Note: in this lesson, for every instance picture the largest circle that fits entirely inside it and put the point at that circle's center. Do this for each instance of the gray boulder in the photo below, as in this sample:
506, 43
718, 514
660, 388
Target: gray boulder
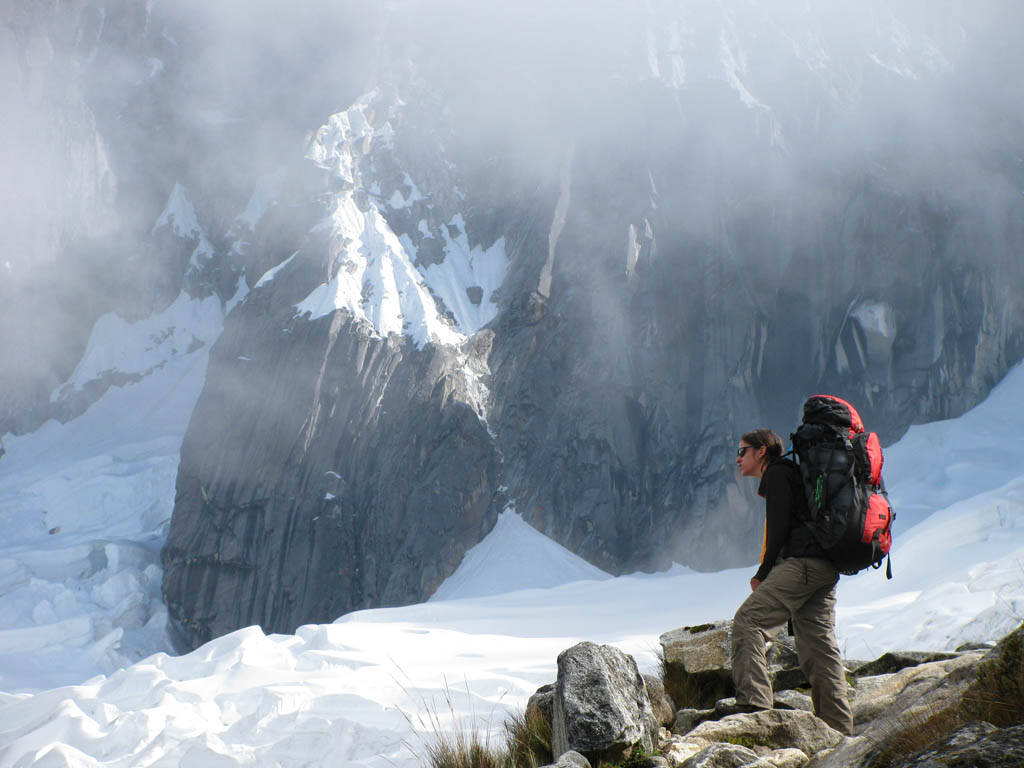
601, 707
773, 728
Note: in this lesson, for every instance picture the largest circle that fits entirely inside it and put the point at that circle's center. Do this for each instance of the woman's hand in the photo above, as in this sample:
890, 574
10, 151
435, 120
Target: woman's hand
754, 584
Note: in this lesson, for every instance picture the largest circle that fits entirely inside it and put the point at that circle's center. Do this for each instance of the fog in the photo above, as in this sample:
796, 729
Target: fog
105, 106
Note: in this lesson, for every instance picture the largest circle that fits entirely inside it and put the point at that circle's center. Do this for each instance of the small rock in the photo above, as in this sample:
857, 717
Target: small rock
652, 761
664, 709
793, 700
975, 647
722, 756
678, 751
570, 760
788, 679
688, 719
785, 758
891, 662
780, 652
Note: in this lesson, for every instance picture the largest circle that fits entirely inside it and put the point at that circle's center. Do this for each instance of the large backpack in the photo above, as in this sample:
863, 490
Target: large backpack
841, 466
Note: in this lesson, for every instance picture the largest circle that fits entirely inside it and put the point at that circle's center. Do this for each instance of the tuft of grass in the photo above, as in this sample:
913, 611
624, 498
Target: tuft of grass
907, 736
747, 741
997, 695
529, 740
460, 746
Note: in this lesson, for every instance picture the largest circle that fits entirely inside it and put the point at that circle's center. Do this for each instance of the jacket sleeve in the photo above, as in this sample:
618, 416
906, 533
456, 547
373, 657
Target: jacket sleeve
778, 496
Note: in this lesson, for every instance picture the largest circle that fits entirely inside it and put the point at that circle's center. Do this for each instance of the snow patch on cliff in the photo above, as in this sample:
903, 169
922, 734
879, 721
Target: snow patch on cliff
375, 274
179, 214
376, 280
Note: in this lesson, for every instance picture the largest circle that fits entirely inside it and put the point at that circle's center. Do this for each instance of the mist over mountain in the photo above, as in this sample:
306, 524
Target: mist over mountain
551, 256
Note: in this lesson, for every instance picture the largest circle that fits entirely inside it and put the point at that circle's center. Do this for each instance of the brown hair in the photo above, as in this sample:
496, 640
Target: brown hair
764, 437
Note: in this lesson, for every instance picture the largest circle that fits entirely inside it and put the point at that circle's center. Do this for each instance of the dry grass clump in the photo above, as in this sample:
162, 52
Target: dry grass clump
909, 734
529, 739
997, 695
526, 741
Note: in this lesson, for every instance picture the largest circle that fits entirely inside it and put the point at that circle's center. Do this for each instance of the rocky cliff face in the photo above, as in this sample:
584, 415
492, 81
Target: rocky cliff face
572, 298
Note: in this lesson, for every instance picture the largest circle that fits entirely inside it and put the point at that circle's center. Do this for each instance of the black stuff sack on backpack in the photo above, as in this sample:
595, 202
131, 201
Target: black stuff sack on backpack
841, 467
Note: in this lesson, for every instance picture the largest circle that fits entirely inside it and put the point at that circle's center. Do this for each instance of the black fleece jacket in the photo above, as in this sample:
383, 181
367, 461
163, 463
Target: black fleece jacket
785, 512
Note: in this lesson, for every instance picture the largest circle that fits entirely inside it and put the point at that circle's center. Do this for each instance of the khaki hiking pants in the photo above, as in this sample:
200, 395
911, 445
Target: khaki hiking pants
804, 589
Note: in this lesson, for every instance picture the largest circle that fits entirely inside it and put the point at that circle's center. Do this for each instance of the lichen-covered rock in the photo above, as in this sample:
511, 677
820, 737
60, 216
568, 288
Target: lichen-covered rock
771, 728
601, 708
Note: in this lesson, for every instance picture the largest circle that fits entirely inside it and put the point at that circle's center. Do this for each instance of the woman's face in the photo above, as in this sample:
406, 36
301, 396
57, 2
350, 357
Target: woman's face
750, 460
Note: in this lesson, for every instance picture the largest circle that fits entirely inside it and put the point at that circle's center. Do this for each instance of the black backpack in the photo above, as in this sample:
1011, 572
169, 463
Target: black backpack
849, 513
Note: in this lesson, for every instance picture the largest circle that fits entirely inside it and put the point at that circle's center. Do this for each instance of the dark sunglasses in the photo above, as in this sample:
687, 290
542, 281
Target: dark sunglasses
742, 450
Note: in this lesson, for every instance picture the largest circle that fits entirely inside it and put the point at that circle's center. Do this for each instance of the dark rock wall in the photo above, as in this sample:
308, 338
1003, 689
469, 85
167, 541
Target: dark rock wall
325, 469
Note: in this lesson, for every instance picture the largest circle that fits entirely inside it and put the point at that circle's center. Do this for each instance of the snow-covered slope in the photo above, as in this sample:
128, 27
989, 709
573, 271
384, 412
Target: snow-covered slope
358, 692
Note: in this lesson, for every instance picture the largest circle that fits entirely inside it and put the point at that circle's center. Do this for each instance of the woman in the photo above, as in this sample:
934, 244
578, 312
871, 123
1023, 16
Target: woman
795, 582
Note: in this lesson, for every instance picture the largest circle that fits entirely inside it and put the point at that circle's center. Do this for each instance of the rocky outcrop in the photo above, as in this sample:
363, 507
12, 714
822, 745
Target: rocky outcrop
928, 714
601, 708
